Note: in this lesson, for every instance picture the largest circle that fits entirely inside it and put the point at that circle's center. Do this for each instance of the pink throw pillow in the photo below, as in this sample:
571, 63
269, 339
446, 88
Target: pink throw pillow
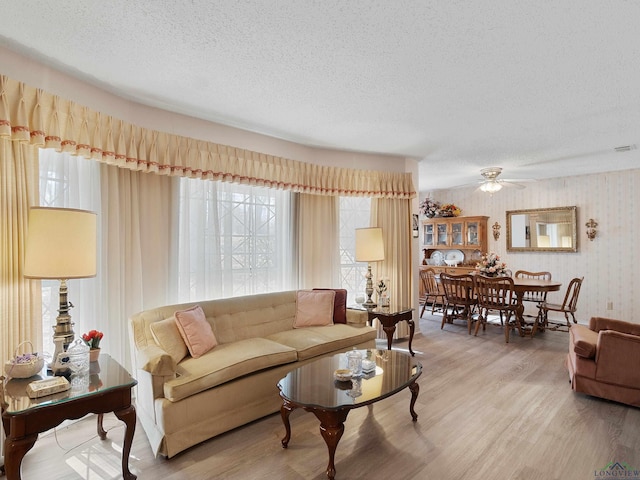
195, 331
339, 305
314, 308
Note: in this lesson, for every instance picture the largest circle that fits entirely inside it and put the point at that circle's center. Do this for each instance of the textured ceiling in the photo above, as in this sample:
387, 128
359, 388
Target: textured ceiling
542, 89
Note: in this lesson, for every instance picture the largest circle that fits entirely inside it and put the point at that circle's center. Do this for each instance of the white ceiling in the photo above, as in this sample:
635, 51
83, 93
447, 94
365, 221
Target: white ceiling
540, 88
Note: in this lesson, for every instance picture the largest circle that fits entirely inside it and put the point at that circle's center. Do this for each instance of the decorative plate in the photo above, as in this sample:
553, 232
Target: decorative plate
455, 255
438, 257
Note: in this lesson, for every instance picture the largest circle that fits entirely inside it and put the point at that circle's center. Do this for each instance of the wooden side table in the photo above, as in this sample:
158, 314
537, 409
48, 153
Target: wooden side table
107, 389
389, 317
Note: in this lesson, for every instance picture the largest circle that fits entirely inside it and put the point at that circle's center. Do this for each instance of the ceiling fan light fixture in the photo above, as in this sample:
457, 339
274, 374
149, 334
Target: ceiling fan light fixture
491, 187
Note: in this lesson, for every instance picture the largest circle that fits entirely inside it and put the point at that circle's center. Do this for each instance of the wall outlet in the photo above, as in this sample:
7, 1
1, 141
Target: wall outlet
609, 305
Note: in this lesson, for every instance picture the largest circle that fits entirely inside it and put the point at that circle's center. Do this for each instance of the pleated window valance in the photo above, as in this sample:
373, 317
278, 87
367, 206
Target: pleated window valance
32, 115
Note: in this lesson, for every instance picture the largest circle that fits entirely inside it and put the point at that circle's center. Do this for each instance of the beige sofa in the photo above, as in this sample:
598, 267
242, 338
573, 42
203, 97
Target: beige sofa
604, 359
182, 403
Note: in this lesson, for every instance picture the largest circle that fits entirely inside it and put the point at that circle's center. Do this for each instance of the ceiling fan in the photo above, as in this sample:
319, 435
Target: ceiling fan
491, 184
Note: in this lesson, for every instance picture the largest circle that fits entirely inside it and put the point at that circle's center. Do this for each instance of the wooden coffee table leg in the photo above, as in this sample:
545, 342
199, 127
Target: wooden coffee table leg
331, 429
415, 389
285, 411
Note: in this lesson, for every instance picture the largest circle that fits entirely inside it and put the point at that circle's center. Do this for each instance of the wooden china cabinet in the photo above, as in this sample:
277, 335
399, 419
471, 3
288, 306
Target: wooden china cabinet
463, 238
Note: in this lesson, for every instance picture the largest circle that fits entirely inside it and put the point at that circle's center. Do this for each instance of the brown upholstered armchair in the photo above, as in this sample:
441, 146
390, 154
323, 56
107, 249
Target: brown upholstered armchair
604, 359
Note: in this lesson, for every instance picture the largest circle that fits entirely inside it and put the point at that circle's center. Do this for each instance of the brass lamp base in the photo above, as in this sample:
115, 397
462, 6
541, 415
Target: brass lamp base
369, 290
63, 334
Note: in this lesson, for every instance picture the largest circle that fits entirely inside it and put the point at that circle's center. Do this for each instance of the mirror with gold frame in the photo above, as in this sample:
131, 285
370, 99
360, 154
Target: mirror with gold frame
542, 230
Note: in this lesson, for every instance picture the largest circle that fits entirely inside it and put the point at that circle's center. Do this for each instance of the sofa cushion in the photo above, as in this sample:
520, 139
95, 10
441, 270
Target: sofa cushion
168, 338
339, 304
314, 308
584, 341
224, 363
195, 331
313, 341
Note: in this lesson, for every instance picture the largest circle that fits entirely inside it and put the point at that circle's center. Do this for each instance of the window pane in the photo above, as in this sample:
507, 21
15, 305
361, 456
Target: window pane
234, 240
354, 213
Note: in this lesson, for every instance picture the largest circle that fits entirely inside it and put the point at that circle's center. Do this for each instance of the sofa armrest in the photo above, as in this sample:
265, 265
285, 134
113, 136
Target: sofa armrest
618, 358
600, 323
156, 361
357, 318
583, 341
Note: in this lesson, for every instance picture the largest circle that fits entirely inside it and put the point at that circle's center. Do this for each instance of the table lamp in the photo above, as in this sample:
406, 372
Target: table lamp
369, 248
61, 244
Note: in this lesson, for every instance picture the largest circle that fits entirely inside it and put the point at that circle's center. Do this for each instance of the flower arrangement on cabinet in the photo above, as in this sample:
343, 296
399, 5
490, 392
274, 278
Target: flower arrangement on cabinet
450, 210
92, 338
429, 208
491, 265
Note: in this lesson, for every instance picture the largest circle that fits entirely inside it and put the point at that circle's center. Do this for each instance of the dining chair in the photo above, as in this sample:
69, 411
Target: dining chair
432, 291
568, 307
497, 294
460, 299
533, 297
537, 297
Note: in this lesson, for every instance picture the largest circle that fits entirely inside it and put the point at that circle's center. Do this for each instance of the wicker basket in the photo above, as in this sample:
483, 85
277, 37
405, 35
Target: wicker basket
15, 369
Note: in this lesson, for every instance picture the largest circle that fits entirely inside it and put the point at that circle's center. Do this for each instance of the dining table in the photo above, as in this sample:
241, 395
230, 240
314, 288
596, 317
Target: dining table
525, 285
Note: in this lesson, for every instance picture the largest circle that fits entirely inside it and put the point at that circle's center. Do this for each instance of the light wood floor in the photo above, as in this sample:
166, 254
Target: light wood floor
487, 410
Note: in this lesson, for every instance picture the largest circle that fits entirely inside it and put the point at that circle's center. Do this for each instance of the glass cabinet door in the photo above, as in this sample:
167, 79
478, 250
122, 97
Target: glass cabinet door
472, 233
428, 237
456, 234
442, 233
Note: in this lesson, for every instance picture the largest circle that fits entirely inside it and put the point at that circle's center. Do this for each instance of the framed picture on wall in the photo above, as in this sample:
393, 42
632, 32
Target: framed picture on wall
416, 229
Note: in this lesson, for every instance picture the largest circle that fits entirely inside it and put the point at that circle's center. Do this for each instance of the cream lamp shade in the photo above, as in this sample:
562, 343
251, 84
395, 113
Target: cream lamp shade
61, 243
369, 245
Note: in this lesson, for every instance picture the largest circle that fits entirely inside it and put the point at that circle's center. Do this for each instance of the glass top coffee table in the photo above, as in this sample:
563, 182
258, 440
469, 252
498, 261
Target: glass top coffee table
313, 388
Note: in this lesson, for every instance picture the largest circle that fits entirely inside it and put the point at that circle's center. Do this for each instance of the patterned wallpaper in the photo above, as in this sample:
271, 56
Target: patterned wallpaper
608, 263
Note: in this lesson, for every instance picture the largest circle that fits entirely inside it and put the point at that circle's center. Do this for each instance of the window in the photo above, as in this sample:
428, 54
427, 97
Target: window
234, 240
354, 213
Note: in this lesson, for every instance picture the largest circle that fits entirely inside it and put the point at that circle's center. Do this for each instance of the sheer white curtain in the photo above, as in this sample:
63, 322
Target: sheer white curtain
134, 245
233, 240
71, 182
318, 241
136, 218
354, 213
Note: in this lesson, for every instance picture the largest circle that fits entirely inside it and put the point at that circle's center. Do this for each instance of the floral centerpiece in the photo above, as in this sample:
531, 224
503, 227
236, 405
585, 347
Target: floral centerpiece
491, 265
450, 210
429, 208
